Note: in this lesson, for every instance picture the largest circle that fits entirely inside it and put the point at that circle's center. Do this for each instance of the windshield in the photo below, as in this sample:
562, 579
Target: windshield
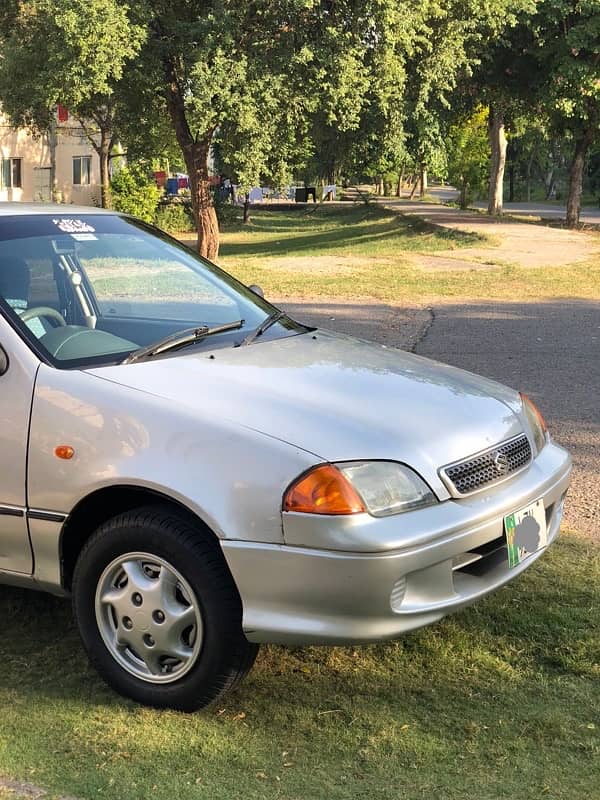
89, 289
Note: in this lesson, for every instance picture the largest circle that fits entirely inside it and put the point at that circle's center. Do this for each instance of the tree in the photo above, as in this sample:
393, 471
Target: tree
50, 57
468, 155
508, 81
214, 67
233, 72
443, 69
358, 122
548, 65
96, 119
566, 45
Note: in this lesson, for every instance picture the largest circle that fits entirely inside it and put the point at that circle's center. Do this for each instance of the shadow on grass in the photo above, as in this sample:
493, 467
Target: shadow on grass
361, 231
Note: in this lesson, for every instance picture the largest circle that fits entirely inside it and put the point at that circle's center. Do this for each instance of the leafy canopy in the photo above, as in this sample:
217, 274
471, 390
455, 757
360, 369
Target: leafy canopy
62, 51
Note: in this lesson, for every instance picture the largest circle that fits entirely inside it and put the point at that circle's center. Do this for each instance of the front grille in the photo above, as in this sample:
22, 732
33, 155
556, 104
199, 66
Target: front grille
492, 466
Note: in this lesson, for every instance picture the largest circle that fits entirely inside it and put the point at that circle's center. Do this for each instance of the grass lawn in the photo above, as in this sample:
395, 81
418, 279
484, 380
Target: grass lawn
369, 252
499, 701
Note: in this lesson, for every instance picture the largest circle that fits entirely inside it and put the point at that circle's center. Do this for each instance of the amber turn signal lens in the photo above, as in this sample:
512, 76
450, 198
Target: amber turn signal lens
535, 410
64, 451
324, 490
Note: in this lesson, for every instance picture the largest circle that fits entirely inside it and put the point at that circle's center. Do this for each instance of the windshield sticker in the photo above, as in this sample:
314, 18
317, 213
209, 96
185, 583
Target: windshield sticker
73, 226
84, 237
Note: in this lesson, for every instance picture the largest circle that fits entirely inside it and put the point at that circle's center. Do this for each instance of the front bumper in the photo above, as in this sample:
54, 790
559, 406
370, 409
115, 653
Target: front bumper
418, 574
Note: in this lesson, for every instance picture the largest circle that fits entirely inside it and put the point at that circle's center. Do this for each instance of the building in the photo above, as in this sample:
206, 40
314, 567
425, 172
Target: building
25, 166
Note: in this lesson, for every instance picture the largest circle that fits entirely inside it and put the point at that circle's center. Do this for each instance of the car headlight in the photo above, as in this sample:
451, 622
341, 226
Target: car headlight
536, 422
381, 488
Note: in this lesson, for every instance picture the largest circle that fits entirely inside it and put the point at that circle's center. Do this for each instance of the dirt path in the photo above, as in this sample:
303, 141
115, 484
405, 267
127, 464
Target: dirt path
516, 243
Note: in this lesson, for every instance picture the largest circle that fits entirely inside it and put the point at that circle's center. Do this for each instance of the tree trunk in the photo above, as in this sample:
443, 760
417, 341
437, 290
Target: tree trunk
549, 182
399, 185
52, 144
414, 188
576, 178
246, 217
104, 154
423, 180
205, 216
195, 152
498, 160
530, 162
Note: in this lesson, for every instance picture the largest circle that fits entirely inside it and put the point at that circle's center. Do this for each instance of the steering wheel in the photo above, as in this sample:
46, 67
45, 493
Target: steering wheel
43, 311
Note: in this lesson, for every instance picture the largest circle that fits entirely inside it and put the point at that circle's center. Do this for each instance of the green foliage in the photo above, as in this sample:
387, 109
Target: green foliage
468, 155
228, 214
311, 88
62, 51
547, 68
134, 193
175, 217
566, 45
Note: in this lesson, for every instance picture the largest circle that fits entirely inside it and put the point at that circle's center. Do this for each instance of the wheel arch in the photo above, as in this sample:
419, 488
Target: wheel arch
103, 504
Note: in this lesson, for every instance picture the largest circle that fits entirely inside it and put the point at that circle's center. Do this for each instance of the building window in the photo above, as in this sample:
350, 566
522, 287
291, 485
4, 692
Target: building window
82, 170
11, 173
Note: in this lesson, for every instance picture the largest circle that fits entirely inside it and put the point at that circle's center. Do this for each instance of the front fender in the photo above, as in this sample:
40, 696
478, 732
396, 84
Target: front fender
230, 476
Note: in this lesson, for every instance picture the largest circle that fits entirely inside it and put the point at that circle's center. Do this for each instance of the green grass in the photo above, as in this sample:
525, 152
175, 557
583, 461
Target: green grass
338, 230
500, 701
368, 252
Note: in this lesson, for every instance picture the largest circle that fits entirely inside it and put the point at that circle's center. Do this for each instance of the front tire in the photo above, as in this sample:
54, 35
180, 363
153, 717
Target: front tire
158, 612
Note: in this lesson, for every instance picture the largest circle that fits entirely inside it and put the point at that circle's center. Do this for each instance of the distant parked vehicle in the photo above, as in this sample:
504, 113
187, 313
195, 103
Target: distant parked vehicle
202, 473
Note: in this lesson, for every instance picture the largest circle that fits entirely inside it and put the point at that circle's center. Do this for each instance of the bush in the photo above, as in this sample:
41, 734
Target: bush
175, 217
228, 215
133, 193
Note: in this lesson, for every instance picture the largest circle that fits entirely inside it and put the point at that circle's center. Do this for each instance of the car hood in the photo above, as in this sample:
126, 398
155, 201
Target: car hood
337, 397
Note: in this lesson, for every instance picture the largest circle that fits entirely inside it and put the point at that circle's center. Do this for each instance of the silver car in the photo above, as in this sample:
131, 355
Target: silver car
202, 473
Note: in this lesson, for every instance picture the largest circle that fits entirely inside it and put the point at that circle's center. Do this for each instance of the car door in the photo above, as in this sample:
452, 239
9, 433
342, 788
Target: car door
16, 389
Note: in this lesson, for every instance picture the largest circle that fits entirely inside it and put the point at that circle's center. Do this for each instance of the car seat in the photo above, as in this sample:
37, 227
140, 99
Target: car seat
15, 282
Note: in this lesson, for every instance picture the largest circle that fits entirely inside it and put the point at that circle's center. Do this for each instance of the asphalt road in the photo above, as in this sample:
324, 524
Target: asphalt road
550, 211
550, 350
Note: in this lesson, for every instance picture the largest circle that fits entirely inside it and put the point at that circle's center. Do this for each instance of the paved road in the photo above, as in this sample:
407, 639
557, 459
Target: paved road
549, 350
543, 210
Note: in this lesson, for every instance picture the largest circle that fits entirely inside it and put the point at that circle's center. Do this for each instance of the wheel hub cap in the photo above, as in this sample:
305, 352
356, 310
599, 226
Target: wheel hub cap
148, 617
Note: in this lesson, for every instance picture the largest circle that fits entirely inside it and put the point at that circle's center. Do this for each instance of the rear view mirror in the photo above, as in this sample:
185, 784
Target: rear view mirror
64, 246
3, 361
257, 290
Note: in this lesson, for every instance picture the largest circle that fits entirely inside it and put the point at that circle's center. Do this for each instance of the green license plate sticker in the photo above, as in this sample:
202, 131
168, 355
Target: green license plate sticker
525, 532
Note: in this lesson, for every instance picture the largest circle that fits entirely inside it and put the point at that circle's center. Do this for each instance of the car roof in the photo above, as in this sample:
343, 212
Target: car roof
16, 209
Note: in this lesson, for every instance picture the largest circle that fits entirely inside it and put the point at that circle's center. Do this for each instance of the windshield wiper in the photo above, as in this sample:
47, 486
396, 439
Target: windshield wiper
180, 339
264, 325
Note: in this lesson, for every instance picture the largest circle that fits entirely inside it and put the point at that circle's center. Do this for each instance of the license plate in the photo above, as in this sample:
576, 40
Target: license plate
525, 532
